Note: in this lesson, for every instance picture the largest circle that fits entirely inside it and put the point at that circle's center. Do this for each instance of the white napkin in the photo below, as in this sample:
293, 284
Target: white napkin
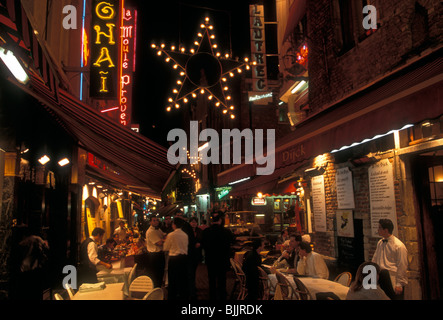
86, 287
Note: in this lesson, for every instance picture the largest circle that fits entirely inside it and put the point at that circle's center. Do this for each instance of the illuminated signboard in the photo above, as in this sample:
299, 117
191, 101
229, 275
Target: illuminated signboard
222, 192
258, 47
127, 64
104, 49
260, 98
256, 201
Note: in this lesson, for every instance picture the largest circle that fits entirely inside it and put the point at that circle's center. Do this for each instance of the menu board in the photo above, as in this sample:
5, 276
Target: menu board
382, 195
319, 203
345, 189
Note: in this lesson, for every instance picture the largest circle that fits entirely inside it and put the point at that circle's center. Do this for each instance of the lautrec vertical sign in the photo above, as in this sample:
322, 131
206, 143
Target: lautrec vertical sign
258, 47
104, 49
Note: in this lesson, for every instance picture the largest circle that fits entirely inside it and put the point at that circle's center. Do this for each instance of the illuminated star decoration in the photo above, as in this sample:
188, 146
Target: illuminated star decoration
202, 71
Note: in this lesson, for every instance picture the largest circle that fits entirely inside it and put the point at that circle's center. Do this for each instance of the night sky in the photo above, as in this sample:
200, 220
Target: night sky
171, 23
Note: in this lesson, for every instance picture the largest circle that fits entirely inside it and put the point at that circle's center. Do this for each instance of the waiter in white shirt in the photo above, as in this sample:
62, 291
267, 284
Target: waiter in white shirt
156, 257
311, 263
391, 254
176, 245
89, 260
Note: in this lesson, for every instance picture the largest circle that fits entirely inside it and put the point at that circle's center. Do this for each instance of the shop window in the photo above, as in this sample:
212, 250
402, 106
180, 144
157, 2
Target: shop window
436, 185
343, 22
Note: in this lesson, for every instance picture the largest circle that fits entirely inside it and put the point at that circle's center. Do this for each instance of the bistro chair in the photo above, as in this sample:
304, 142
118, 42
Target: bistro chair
264, 284
344, 278
57, 296
70, 291
132, 274
240, 280
287, 291
141, 285
156, 294
301, 291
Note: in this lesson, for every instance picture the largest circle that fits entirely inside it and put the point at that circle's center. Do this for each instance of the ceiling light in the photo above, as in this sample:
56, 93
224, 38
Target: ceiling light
63, 162
44, 160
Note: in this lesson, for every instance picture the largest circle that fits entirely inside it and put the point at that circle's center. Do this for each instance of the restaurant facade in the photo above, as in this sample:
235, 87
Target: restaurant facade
365, 141
67, 167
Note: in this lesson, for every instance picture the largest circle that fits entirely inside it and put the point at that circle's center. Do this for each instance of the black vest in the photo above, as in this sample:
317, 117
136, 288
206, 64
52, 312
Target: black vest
85, 263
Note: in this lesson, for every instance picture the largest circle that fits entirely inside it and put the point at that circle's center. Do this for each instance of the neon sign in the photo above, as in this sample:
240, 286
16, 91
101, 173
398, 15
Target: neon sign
258, 47
104, 50
127, 63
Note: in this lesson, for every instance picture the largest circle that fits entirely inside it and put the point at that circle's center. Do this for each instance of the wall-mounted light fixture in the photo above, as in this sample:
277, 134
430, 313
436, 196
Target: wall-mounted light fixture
14, 65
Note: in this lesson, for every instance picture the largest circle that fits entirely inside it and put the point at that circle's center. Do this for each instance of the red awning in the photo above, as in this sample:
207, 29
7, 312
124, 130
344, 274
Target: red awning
266, 184
142, 162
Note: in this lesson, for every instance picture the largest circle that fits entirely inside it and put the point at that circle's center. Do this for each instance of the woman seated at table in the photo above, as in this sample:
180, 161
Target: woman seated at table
357, 291
311, 263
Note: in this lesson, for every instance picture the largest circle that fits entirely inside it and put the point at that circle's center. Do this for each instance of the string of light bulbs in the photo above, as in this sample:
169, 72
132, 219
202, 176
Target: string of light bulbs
219, 91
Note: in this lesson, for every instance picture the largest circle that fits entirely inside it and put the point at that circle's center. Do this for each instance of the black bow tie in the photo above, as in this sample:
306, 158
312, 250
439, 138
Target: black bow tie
385, 240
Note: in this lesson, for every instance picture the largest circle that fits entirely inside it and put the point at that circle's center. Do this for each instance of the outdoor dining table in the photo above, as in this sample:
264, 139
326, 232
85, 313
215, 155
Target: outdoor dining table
113, 291
315, 285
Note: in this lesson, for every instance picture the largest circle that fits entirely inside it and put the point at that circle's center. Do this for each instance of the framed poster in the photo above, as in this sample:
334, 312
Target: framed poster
345, 223
277, 204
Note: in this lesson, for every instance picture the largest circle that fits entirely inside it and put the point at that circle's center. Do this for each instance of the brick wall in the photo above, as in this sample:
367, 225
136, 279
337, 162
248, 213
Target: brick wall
399, 38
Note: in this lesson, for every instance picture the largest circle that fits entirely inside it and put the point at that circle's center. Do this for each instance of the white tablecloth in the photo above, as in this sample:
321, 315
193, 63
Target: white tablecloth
315, 285
111, 292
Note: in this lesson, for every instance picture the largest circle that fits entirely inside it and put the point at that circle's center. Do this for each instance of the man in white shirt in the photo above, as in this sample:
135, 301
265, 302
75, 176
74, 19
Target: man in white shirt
391, 254
156, 257
89, 260
176, 245
121, 231
311, 263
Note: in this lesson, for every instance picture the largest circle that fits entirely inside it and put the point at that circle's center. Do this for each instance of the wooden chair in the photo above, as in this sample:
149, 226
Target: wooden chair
141, 285
240, 280
155, 294
132, 274
287, 291
57, 296
344, 278
301, 291
70, 291
265, 287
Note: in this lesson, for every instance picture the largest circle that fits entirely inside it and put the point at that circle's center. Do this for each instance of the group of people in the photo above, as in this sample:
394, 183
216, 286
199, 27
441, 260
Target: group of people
389, 262
178, 246
175, 249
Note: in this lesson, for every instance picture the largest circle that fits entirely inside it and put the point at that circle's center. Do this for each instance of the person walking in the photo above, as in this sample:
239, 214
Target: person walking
176, 245
391, 255
216, 243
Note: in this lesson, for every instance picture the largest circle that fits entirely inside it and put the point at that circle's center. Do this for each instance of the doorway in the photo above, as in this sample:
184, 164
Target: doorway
427, 172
